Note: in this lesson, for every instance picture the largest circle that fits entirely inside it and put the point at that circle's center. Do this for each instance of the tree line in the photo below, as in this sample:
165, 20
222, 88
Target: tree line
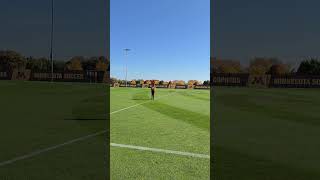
265, 65
114, 80
10, 60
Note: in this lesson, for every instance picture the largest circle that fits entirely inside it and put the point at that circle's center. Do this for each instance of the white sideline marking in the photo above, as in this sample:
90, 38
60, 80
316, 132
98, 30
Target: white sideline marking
128, 107
161, 150
35, 153
50, 148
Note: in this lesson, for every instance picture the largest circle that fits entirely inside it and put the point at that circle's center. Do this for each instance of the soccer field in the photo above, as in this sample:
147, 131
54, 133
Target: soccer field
267, 134
178, 120
41, 123
259, 133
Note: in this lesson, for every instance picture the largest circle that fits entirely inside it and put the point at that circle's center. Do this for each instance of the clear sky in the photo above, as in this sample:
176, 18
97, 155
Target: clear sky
170, 39
288, 29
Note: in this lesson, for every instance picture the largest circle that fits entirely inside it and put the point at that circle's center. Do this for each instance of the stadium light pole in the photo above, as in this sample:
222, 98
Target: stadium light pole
51, 39
126, 57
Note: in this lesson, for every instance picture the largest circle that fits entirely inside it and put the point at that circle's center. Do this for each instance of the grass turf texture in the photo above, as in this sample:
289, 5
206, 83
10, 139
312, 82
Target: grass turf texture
266, 134
38, 115
260, 133
178, 120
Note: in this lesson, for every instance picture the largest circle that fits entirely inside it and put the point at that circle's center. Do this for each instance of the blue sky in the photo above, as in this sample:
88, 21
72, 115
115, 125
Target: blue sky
170, 39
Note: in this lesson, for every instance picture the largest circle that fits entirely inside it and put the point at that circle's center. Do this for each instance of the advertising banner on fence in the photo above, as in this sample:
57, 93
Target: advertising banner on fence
157, 86
224, 79
181, 86
161, 86
218, 79
22, 74
128, 85
69, 76
295, 81
259, 80
201, 87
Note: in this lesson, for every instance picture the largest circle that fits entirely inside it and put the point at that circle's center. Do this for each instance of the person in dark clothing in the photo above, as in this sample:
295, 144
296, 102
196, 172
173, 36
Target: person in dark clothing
168, 86
153, 89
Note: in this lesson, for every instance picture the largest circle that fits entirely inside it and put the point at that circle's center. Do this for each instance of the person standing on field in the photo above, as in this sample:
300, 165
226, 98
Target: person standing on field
153, 89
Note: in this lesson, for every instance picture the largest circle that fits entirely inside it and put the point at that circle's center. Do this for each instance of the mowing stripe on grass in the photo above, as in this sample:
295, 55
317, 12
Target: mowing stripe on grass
137, 104
35, 153
161, 150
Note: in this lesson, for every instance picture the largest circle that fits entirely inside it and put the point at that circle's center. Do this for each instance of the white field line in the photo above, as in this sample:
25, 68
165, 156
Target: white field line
35, 153
50, 148
138, 104
128, 107
161, 150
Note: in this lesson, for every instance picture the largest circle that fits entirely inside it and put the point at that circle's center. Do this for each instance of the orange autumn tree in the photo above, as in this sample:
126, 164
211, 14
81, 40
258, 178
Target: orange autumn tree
225, 66
261, 65
102, 64
75, 64
180, 83
133, 82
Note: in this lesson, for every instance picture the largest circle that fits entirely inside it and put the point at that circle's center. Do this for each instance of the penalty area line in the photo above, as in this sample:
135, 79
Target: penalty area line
141, 148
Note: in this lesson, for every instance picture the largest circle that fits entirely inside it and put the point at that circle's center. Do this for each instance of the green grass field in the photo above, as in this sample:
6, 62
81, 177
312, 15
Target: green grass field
267, 134
178, 120
38, 115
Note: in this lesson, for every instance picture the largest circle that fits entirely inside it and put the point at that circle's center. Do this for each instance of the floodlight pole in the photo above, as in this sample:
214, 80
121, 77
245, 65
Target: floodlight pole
126, 57
51, 43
